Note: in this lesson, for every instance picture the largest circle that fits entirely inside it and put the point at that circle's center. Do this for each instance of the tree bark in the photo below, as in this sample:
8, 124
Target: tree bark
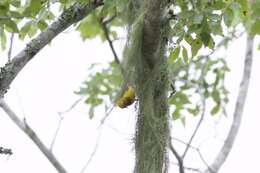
152, 129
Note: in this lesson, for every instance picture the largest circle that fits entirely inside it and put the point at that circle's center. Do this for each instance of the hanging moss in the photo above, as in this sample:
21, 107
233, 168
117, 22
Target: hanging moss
151, 86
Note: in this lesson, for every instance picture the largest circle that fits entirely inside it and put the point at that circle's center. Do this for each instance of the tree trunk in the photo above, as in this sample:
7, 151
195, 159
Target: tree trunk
151, 84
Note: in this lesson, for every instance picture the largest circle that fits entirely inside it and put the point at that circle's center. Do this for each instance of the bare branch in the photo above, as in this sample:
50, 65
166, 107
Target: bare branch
204, 161
61, 119
70, 16
178, 157
56, 133
237, 116
73, 105
197, 149
110, 42
189, 168
32, 135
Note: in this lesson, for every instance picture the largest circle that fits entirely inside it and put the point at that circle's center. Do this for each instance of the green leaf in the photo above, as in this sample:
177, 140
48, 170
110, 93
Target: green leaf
205, 37
16, 3
197, 18
25, 29
2, 38
216, 28
11, 26
215, 109
228, 17
3, 10
176, 114
179, 98
42, 25
189, 39
213, 17
185, 55
256, 27
195, 47
218, 5
89, 27
174, 55
33, 8
216, 96
183, 121
14, 14
194, 111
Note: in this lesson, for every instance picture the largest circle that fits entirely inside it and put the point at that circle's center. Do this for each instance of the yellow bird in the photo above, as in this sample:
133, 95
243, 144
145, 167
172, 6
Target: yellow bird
127, 98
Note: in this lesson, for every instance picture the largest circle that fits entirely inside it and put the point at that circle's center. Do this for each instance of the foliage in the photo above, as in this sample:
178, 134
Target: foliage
194, 26
101, 87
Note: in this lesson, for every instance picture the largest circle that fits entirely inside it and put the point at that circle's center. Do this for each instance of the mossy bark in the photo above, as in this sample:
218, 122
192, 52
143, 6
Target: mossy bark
148, 73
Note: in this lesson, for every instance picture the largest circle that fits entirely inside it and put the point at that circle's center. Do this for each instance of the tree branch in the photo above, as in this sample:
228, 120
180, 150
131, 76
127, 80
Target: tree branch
61, 116
10, 48
196, 129
178, 157
71, 15
33, 136
237, 116
106, 32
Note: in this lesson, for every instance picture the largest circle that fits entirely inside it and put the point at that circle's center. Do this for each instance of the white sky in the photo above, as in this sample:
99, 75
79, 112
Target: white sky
45, 86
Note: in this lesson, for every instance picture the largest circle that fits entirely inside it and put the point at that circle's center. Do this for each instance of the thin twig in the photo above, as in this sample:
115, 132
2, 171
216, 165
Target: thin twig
196, 129
100, 127
184, 143
197, 149
204, 161
32, 135
106, 116
56, 133
93, 152
106, 32
188, 168
61, 117
73, 105
10, 48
